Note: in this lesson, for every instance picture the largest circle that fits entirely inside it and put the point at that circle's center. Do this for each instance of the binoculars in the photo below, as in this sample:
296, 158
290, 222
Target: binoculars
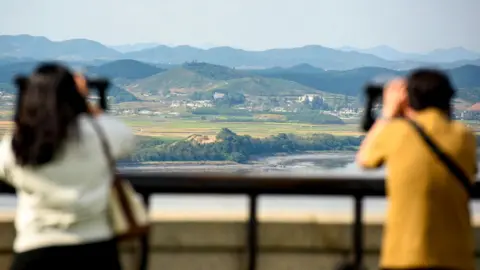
373, 94
101, 85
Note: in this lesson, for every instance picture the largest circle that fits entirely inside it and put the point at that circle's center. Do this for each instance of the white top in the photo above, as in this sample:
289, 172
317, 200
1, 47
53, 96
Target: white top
64, 202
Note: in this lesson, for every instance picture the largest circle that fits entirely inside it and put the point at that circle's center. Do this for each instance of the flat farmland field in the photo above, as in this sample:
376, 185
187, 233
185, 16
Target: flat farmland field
174, 129
181, 128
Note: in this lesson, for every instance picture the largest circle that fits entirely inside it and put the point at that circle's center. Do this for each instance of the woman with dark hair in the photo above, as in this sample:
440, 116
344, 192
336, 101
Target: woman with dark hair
54, 159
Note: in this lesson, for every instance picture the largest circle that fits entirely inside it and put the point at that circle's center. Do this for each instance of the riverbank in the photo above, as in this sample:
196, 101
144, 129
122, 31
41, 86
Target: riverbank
179, 163
311, 162
259, 159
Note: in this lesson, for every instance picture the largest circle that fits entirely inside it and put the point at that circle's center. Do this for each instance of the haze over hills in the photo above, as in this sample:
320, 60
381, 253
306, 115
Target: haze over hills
351, 82
134, 47
26, 46
293, 81
126, 69
136, 77
436, 56
77, 50
315, 55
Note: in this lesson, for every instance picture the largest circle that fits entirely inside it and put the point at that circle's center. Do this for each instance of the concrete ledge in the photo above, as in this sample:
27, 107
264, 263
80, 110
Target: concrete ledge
209, 244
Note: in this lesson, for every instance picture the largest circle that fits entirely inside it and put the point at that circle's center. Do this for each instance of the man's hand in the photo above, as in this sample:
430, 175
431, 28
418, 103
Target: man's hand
395, 98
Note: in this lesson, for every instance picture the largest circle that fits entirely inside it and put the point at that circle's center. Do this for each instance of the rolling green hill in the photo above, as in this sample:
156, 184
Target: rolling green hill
351, 82
261, 86
294, 81
176, 80
125, 69
215, 72
194, 77
348, 82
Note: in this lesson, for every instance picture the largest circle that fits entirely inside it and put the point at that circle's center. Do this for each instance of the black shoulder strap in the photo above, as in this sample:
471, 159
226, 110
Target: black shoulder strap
451, 165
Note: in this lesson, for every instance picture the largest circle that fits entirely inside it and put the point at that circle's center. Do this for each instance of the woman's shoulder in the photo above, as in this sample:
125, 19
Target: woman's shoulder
119, 135
6, 154
6, 142
104, 120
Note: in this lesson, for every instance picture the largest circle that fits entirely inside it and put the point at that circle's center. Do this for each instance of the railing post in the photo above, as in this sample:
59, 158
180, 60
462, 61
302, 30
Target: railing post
144, 241
358, 232
252, 232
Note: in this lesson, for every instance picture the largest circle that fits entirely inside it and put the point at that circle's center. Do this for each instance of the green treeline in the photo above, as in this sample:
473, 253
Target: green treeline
232, 147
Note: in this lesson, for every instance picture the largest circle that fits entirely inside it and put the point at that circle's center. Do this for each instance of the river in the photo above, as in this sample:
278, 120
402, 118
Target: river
315, 163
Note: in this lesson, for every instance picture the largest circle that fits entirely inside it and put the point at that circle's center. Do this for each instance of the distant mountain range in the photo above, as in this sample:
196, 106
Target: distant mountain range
134, 47
25, 47
436, 56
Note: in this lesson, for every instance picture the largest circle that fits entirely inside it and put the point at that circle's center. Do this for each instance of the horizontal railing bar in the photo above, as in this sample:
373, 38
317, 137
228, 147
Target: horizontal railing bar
272, 184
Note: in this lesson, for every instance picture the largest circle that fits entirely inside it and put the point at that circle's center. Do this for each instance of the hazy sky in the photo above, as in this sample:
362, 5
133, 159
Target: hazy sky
409, 25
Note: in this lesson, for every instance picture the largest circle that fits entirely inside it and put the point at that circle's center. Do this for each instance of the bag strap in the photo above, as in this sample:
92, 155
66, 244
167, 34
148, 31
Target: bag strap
105, 147
447, 161
117, 182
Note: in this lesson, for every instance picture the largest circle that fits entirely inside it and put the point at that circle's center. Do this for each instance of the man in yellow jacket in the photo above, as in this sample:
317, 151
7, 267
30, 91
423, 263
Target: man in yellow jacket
428, 224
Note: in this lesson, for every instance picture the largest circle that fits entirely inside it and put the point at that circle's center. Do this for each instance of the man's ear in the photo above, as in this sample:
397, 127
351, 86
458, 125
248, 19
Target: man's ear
405, 100
404, 97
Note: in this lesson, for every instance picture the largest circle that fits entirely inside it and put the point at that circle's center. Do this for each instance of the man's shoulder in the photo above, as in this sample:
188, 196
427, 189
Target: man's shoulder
397, 126
462, 129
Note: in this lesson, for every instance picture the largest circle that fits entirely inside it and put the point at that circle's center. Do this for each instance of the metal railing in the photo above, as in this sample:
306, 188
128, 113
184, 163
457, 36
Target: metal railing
358, 187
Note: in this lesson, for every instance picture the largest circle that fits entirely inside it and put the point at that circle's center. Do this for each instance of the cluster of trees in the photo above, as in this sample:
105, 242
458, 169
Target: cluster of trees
232, 147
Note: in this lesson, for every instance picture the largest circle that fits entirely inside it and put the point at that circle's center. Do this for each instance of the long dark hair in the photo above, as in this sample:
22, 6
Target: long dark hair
48, 105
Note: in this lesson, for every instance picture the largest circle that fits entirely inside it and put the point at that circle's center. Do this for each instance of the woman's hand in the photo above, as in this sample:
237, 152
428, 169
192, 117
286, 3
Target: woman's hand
81, 83
394, 98
82, 88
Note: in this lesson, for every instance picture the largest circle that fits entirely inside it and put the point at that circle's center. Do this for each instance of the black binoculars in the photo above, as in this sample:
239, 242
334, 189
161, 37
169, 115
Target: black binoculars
373, 94
101, 85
